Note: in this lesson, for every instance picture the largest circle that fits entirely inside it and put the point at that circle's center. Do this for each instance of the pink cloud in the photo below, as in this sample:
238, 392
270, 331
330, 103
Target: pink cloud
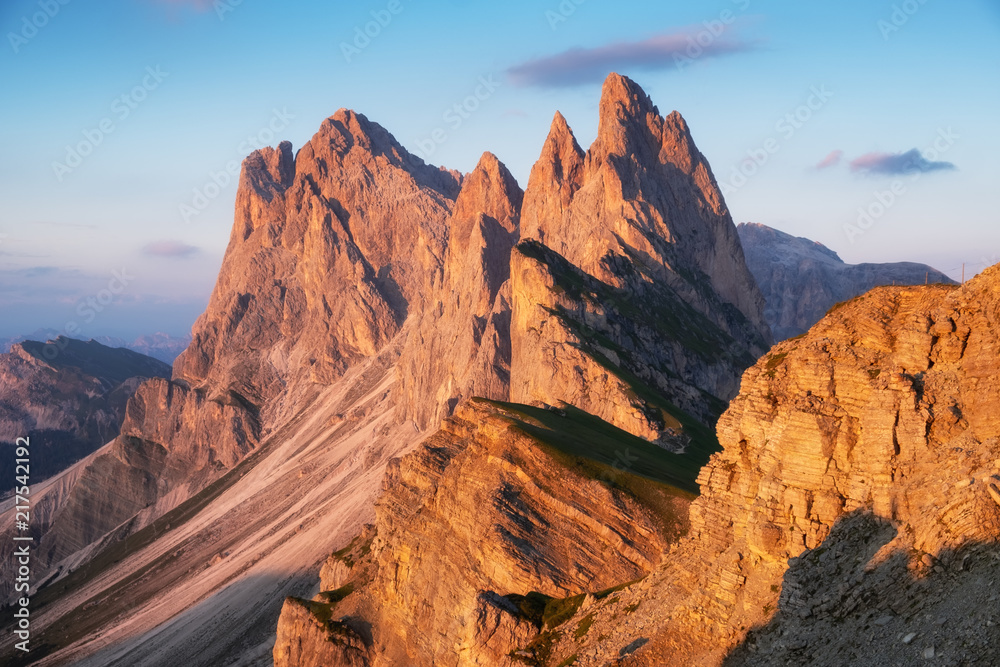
831, 159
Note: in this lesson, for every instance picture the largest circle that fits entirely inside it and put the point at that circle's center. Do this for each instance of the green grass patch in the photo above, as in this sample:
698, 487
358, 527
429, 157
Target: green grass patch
591, 445
338, 594
583, 627
773, 361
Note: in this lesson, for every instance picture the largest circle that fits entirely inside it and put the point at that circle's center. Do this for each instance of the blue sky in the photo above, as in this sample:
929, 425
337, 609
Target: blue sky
188, 87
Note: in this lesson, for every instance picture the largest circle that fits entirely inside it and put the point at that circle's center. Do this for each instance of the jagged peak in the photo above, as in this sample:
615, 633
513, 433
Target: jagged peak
623, 102
490, 189
348, 132
561, 144
347, 128
276, 164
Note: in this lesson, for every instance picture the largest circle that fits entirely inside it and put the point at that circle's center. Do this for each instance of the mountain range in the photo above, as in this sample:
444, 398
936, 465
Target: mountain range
157, 345
430, 418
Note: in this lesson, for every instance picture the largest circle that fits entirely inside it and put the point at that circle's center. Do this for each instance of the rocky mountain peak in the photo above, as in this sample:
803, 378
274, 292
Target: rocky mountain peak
756, 234
623, 104
644, 197
554, 180
490, 190
266, 174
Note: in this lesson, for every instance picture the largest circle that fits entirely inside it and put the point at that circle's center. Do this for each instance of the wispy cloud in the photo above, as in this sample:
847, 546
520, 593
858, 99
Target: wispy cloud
591, 65
894, 164
169, 249
830, 160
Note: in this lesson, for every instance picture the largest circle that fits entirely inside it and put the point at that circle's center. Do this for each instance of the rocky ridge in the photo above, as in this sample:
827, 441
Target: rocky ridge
478, 531
854, 510
852, 516
363, 296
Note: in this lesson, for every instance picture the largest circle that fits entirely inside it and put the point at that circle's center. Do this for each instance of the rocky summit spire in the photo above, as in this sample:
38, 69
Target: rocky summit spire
644, 192
461, 347
554, 180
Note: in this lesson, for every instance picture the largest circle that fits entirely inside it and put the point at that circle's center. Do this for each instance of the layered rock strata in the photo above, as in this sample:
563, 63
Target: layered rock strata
857, 489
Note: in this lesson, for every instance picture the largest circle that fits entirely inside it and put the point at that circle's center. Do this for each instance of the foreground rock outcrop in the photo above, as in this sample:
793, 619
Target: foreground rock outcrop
502, 511
852, 517
856, 501
802, 279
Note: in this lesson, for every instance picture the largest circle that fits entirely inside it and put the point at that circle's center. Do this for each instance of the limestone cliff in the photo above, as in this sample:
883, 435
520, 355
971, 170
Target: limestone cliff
628, 294
505, 509
634, 281
856, 501
802, 279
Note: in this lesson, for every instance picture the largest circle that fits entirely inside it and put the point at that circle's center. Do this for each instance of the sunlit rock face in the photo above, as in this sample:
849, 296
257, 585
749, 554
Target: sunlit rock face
856, 499
615, 282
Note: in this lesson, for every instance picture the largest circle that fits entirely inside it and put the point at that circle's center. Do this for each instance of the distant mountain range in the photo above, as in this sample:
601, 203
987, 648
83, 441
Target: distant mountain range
68, 396
158, 345
802, 279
